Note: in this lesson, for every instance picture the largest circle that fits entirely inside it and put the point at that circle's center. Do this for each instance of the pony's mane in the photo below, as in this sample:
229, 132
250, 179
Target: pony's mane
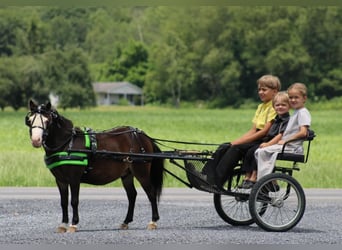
61, 120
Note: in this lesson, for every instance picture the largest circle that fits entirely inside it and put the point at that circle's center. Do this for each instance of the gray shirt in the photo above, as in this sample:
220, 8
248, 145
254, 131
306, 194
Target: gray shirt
300, 117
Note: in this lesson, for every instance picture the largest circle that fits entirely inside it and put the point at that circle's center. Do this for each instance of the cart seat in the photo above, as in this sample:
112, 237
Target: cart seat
297, 157
291, 157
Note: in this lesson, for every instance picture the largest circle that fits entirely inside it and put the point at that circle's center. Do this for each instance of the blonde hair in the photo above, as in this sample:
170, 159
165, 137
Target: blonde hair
281, 97
300, 87
269, 81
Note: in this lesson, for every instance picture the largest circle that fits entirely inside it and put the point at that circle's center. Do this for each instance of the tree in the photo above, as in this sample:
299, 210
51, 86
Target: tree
330, 85
213, 54
9, 25
68, 77
10, 89
129, 65
35, 37
322, 38
109, 29
67, 26
172, 70
32, 80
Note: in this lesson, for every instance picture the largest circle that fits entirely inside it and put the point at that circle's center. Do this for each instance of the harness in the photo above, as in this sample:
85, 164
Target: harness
84, 158
73, 158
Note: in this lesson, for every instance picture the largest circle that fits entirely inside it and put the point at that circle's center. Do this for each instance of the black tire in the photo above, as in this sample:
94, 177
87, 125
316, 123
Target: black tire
283, 201
234, 209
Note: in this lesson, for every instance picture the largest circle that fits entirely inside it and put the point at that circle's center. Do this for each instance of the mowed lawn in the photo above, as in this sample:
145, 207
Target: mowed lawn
23, 165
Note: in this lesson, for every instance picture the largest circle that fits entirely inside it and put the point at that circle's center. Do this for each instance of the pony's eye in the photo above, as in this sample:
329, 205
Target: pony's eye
28, 120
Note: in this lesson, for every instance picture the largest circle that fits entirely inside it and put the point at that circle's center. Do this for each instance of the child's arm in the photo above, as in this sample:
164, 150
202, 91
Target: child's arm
303, 130
253, 134
274, 140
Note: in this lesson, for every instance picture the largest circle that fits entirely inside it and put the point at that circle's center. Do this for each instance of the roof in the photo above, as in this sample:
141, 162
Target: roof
117, 88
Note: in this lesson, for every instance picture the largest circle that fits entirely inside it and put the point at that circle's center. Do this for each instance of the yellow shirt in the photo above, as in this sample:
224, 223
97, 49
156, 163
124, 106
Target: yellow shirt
264, 114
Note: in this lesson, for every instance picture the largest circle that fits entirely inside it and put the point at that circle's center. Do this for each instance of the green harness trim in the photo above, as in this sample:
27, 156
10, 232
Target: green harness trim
69, 158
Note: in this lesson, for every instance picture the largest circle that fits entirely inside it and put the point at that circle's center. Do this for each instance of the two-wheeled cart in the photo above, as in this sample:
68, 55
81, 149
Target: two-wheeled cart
275, 203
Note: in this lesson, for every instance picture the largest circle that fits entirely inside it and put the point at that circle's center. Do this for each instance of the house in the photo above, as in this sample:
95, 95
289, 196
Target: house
111, 93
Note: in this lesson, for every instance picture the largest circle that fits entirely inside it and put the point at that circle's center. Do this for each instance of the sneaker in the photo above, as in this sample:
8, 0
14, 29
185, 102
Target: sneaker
246, 184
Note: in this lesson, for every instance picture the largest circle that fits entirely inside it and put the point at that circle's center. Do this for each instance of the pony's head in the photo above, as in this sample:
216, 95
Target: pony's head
38, 120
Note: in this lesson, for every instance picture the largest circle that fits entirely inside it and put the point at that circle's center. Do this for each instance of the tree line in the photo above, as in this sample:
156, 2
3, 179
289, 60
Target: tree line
207, 54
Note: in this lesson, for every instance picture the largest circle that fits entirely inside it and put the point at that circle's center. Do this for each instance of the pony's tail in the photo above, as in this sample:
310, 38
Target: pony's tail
157, 172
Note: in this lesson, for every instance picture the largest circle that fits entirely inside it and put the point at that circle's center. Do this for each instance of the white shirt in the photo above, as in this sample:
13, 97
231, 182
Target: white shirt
300, 117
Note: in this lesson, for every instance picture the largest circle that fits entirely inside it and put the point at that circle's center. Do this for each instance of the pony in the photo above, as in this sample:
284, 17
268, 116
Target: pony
76, 155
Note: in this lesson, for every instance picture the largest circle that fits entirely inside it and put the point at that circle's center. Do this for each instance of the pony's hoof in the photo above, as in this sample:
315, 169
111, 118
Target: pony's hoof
72, 229
152, 225
61, 228
124, 226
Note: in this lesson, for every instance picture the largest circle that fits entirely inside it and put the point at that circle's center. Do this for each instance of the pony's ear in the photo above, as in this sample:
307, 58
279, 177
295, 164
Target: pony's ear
32, 105
48, 106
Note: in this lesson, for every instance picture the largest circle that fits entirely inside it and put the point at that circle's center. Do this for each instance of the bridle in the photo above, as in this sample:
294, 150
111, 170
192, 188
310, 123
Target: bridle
52, 117
39, 113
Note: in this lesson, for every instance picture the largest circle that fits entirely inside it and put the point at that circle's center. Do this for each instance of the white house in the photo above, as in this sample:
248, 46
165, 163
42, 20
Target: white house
110, 93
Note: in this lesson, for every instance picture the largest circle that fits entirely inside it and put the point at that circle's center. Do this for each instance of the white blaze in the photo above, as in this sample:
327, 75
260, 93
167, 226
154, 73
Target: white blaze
38, 126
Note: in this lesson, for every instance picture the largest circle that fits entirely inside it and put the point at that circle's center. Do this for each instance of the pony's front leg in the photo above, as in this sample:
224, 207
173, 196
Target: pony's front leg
75, 191
64, 195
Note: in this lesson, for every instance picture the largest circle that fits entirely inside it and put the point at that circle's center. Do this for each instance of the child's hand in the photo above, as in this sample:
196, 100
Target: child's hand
281, 142
262, 145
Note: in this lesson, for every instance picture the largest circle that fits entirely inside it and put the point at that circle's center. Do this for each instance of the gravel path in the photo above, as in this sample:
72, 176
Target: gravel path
188, 216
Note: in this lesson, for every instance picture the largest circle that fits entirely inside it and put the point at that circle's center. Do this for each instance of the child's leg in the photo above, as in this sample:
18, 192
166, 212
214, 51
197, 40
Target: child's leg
249, 163
266, 158
253, 176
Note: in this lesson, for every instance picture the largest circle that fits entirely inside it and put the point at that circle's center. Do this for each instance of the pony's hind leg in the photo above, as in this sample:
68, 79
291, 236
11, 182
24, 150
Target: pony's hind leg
131, 192
152, 197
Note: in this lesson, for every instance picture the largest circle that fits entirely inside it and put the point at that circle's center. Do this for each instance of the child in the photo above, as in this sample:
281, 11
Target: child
219, 169
297, 128
281, 104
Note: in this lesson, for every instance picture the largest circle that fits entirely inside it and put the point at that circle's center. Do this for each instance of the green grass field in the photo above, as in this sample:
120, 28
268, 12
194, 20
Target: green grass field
23, 165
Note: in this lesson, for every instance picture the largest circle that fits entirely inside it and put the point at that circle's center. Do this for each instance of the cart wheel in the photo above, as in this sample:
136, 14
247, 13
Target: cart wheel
234, 209
283, 202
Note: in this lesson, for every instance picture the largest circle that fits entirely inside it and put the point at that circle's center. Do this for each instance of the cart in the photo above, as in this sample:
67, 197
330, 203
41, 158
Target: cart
275, 203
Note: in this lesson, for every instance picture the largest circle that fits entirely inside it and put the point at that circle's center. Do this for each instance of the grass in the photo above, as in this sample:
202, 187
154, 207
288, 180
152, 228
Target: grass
23, 165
